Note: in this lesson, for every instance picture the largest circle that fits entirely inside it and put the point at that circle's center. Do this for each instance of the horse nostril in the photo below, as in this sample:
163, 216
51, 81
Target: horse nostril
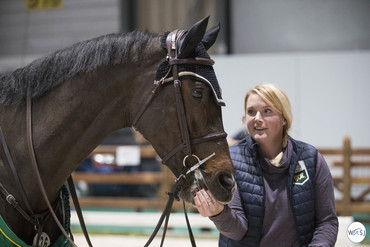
226, 180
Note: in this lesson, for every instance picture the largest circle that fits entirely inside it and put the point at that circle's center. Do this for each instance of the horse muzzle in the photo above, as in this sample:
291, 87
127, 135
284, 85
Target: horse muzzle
222, 185
225, 182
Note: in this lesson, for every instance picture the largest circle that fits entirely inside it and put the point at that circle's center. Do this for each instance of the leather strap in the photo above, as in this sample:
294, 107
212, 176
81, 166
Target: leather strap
76, 203
195, 60
191, 236
12, 201
15, 174
36, 170
181, 115
171, 42
167, 211
148, 101
209, 137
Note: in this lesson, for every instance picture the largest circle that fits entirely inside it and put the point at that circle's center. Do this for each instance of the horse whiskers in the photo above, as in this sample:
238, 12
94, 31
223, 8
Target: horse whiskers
199, 182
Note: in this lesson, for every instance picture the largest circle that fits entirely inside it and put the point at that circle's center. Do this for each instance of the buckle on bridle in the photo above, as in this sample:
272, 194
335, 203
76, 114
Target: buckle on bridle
11, 199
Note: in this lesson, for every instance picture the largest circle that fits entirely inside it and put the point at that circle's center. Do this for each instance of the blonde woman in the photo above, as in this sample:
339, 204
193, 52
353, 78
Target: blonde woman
285, 194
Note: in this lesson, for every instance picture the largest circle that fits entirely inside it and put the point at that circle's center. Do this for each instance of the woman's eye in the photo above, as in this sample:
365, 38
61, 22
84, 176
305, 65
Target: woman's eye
267, 111
251, 112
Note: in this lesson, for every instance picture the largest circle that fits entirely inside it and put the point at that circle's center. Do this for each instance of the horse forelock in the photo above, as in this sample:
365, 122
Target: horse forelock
50, 71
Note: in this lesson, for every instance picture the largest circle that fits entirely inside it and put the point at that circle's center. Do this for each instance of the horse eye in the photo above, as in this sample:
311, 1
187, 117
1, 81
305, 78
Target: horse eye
197, 93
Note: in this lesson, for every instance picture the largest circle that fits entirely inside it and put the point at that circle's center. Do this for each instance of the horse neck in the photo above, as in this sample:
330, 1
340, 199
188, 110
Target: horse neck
71, 120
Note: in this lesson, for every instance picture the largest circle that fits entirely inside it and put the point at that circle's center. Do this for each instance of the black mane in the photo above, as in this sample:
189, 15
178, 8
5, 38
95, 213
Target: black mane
48, 72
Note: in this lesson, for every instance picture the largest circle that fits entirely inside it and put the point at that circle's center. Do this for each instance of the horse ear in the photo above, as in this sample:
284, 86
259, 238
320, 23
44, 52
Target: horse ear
211, 36
192, 38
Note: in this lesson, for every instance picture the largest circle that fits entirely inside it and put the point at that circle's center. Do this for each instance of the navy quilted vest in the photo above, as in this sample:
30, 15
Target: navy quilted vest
251, 188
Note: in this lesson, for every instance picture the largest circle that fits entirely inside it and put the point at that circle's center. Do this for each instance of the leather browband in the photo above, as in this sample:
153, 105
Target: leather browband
196, 60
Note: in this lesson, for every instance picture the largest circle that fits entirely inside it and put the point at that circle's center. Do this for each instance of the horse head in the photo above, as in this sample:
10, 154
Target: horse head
189, 131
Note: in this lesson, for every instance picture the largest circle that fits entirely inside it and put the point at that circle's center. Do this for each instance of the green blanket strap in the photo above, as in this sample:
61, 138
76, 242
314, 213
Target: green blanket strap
9, 239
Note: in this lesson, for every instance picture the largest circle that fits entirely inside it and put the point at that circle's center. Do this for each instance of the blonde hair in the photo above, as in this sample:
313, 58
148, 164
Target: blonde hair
278, 100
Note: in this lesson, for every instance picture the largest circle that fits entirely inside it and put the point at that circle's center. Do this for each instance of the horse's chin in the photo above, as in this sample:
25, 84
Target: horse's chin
200, 179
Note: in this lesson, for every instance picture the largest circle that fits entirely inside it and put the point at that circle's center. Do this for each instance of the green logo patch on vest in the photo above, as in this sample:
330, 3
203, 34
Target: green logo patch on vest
301, 175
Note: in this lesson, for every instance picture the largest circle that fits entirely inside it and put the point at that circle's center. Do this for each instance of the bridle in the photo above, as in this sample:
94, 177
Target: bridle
173, 61
172, 42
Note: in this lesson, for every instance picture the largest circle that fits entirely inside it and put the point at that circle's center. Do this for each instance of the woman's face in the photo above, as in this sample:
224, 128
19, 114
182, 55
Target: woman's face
264, 124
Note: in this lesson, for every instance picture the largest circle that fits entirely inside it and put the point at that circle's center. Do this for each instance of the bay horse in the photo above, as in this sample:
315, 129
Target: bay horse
82, 93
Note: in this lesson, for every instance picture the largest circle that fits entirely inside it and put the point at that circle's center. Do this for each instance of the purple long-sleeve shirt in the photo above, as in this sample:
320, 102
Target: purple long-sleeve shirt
279, 227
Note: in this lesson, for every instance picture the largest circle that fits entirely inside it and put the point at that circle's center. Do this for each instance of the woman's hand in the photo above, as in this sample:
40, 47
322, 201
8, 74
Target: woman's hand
206, 204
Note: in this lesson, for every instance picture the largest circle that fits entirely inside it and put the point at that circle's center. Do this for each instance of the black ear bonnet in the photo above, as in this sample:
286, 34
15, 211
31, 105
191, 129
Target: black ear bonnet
203, 73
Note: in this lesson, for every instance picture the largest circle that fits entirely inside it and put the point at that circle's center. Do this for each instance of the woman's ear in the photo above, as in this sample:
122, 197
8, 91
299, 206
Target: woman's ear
284, 122
245, 127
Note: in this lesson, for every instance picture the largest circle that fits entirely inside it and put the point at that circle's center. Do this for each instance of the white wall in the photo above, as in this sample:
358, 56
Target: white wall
329, 92
296, 25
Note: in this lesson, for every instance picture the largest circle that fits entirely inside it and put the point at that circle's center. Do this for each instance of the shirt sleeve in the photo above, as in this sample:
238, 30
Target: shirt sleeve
232, 221
326, 225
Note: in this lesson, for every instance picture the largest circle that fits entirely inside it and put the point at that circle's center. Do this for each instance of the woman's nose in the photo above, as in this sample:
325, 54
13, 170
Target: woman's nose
258, 116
